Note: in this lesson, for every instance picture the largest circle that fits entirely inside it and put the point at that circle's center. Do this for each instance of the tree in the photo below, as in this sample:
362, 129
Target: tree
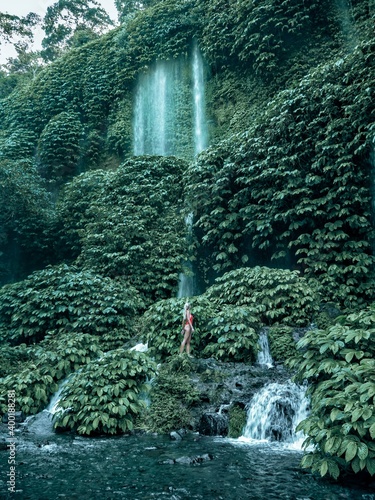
12, 26
67, 20
127, 8
27, 64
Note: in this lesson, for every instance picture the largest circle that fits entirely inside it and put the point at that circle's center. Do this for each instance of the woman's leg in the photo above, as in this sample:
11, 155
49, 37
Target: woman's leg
188, 343
187, 337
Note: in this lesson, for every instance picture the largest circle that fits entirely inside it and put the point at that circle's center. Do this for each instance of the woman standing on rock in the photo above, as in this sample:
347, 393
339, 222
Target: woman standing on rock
187, 329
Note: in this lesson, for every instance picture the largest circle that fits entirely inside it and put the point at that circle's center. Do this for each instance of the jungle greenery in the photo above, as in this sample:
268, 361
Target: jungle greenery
92, 240
340, 366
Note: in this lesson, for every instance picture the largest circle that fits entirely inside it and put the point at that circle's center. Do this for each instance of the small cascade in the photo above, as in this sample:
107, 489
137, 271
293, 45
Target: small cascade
52, 406
140, 348
200, 124
186, 279
346, 19
264, 354
275, 411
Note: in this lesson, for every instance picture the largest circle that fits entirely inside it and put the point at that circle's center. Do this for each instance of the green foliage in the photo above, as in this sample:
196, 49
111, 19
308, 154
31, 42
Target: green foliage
12, 358
172, 396
66, 20
25, 211
340, 367
33, 384
34, 372
260, 34
13, 26
106, 395
65, 299
59, 147
164, 30
305, 202
162, 323
232, 334
130, 224
271, 295
237, 421
65, 352
282, 344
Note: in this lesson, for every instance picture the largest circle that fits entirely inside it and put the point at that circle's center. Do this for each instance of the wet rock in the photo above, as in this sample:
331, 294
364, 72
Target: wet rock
213, 424
3, 444
175, 436
189, 460
194, 460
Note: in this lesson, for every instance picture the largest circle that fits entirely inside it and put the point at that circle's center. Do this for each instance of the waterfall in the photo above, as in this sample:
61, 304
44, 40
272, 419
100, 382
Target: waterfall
200, 125
275, 411
264, 354
55, 399
186, 279
345, 15
169, 108
152, 102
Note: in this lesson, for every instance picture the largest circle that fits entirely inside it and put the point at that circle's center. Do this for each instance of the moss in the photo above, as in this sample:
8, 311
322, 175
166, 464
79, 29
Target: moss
237, 421
172, 396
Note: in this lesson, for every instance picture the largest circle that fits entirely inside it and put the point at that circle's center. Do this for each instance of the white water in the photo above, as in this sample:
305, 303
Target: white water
186, 279
264, 355
346, 19
140, 348
274, 413
200, 125
55, 399
153, 108
169, 108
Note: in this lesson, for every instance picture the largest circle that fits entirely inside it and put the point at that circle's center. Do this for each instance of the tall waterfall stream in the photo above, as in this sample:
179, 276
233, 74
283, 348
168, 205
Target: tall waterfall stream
169, 108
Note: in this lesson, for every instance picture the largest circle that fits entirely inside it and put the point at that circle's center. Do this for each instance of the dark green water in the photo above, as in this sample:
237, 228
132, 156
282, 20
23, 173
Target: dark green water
64, 466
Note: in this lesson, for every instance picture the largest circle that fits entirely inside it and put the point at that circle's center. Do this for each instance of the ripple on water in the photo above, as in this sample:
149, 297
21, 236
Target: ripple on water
143, 467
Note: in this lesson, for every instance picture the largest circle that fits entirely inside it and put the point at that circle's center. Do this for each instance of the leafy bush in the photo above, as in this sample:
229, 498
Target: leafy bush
33, 386
282, 344
45, 364
63, 298
131, 225
65, 352
272, 295
12, 358
59, 147
232, 334
237, 421
339, 364
106, 395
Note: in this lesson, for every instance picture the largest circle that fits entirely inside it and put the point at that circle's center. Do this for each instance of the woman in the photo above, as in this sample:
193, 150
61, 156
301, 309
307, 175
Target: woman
187, 329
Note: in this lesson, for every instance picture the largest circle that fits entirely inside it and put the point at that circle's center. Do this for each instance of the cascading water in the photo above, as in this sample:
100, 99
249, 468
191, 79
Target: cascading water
200, 124
275, 411
153, 100
169, 109
346, 19
264, 355
53, 404
186, 282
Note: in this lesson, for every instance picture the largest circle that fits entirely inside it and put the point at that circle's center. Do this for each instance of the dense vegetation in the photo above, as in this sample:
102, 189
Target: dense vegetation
92, 239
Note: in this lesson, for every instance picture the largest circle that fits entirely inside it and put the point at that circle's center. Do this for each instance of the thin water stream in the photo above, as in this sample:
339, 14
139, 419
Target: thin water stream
143, 467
